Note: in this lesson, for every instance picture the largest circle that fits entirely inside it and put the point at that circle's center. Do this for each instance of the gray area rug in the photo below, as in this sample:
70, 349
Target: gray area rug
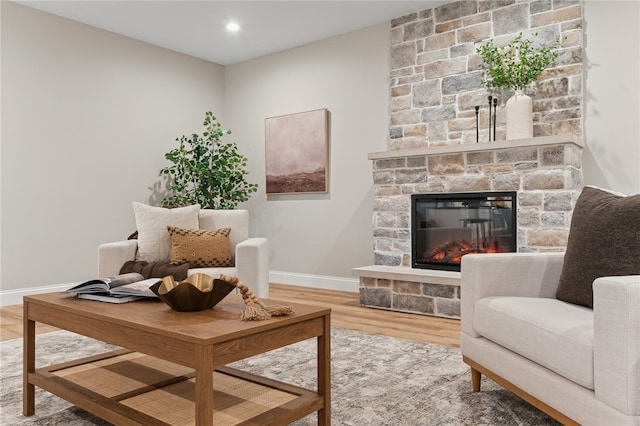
376, 380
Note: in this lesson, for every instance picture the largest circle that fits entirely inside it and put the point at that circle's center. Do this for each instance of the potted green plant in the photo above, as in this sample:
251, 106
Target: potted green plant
207, 171
515, 65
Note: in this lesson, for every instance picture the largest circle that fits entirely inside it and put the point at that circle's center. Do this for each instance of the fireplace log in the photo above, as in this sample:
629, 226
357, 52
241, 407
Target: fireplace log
441, 250
451, 251
455, 257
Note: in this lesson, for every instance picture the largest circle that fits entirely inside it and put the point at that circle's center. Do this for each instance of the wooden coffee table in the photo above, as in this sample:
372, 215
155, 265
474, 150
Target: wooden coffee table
171, 370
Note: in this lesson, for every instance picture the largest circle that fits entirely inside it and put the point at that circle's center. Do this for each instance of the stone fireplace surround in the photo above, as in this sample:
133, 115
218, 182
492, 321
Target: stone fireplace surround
545, 171
435, 84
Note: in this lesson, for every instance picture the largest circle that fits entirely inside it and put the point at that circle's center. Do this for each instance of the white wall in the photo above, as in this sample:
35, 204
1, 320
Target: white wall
329, 235
322, 234
612, 76
87, 116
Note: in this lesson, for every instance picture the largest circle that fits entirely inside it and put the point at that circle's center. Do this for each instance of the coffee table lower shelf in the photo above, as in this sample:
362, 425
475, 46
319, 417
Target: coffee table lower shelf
131, 388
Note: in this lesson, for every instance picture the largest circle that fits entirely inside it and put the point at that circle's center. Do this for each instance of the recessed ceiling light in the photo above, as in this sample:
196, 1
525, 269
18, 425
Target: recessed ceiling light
232, 26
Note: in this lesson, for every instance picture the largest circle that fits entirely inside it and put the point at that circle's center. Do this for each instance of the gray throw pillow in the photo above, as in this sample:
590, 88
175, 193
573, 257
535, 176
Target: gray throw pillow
604, 240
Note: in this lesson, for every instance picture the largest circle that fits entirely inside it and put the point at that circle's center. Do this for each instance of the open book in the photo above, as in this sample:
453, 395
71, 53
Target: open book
110, 298
131, 284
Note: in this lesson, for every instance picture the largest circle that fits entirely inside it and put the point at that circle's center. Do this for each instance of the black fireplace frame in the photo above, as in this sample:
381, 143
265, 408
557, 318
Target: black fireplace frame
448, 196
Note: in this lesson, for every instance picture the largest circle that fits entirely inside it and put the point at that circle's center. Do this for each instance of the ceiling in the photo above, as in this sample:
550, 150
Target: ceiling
197, 28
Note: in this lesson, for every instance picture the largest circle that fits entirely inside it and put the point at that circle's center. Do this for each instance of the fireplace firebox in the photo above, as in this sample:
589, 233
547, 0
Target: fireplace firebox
446, 226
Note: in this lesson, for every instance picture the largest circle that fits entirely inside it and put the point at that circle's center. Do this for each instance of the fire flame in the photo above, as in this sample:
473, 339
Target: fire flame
452, 252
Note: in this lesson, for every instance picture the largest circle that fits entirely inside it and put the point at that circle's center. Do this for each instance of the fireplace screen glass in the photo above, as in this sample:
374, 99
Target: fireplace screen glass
445, 227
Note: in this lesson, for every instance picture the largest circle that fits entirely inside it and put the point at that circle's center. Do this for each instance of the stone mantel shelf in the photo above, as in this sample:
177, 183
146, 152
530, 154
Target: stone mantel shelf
477, 147
404, 273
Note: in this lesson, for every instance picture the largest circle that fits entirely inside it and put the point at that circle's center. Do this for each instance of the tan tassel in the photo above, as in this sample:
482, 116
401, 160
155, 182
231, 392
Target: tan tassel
252, 312
278, 311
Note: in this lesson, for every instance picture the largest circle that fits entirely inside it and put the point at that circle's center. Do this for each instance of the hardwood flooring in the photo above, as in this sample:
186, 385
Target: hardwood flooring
346, 312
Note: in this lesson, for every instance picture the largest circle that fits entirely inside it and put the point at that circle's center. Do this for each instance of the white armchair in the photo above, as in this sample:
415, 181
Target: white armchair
577, 364
250, 256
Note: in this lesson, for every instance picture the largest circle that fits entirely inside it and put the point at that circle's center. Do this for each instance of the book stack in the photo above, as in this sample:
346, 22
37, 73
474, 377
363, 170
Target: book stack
118, 289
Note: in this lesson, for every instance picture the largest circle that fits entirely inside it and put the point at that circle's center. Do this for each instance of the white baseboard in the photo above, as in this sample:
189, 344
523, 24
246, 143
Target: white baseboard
14, 297
315, 281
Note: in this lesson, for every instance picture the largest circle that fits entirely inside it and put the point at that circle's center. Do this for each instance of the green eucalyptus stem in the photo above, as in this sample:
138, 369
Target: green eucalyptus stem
516, 64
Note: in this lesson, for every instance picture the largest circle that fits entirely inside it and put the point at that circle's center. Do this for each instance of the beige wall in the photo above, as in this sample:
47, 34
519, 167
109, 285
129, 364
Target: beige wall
321, 234
612, 95
328, 235
87, 116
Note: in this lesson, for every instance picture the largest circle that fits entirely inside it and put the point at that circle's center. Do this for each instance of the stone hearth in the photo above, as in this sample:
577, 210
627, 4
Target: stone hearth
402, 289
545, 172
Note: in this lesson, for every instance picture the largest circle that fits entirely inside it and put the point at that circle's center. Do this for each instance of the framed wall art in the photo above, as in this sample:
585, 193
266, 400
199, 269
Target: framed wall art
297, 152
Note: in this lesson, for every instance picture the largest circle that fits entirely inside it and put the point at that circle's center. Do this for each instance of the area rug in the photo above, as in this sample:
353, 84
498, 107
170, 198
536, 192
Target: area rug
376, 380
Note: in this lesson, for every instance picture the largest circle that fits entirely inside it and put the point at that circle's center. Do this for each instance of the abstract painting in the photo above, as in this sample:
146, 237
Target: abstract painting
296, 152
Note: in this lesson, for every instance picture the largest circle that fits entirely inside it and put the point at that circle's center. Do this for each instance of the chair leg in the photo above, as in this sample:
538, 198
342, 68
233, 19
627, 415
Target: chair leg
475, 379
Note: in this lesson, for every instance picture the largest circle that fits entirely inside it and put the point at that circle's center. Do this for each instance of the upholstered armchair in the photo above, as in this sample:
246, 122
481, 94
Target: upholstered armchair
249, 257
562, 330
576, 364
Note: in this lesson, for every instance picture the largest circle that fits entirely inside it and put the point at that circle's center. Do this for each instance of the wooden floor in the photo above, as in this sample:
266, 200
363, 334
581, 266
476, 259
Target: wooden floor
346, 312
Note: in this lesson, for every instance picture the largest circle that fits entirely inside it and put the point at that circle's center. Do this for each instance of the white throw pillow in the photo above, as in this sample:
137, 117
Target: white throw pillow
154, 243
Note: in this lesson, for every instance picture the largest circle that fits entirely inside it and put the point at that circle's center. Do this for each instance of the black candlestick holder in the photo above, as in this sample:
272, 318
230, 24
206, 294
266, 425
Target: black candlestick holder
495, 108
477, 123
490, 99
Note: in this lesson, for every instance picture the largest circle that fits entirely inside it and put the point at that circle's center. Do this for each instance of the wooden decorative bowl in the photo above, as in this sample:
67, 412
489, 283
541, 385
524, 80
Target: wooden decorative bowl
197, 293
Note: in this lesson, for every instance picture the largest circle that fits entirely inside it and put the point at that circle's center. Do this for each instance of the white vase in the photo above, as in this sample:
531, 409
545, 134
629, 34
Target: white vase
519, 116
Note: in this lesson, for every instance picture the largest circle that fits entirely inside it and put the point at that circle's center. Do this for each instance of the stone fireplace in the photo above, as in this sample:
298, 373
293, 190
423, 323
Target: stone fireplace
544, 172
433, 146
